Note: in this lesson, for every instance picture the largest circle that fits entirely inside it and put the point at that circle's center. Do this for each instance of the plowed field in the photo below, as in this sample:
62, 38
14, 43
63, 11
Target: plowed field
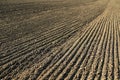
60, 40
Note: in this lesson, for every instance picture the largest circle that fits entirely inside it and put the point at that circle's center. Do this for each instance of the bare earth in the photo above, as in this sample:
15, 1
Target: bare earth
60, 40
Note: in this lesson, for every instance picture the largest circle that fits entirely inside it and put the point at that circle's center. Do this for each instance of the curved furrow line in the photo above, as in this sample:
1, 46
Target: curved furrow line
70, 13
19, 61
23, 62
85, 38
34, 67
106, 60
116, 53
31, 37
40, 41
12, 52
65, 72
16, 48
26, 57
28, 39
111, 53
81, 68
65, 35
82, 38
71, 74
100, 66
48, 62
58, 24
94, 67
53, 61
27, 51
34, 41
63, 21
83, 51
94, 55
97, 49
40, 44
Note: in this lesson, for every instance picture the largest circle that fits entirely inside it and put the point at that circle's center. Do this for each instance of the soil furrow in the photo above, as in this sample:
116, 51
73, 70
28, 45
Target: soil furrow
83, 38
97, 48
87, 48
